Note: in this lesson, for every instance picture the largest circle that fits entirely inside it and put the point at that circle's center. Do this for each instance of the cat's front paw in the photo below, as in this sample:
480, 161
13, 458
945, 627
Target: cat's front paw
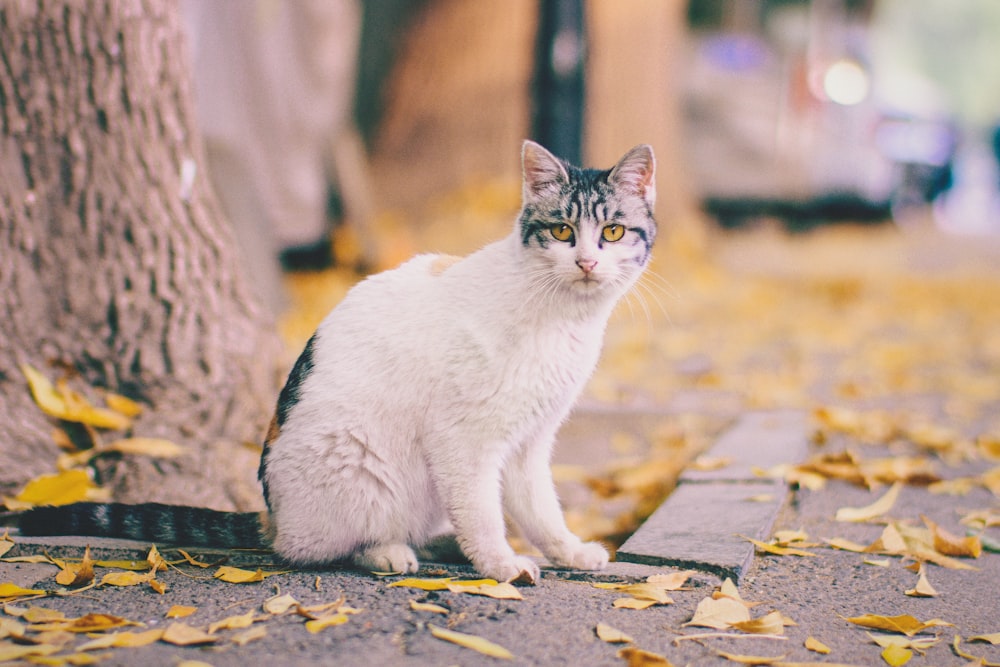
517, 568
581, 556
387, 558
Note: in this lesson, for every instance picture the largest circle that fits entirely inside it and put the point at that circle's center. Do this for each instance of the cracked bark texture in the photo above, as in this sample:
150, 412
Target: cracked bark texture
116, 263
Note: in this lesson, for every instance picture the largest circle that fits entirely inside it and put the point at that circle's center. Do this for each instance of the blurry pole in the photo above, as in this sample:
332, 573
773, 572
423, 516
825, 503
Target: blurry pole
558, 81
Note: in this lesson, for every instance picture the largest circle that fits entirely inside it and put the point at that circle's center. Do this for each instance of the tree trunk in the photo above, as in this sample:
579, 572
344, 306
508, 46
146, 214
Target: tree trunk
116, 264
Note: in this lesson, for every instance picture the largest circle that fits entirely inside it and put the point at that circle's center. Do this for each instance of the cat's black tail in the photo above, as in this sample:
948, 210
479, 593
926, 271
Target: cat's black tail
149, 522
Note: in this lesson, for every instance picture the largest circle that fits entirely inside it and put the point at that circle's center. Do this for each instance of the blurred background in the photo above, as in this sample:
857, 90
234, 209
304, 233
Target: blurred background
827, 194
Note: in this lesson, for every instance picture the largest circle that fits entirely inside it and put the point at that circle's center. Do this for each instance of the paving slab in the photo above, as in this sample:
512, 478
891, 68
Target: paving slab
704, 523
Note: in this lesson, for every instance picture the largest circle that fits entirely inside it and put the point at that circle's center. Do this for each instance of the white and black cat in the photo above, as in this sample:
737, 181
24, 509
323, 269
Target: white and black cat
428, 400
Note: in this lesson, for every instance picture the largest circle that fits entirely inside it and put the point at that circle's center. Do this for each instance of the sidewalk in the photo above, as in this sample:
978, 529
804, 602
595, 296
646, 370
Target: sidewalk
555, 622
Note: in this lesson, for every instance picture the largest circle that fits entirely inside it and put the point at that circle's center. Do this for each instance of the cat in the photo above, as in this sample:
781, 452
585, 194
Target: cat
427, 402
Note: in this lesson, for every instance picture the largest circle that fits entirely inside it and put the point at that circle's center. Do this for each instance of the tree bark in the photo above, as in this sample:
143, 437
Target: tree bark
115, 260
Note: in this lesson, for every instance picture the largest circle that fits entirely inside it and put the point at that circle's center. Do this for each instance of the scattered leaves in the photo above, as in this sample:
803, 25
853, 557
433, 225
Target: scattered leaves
816, 646
636, 657
611, 635
180, 611
902, 624
182, 634
484, 646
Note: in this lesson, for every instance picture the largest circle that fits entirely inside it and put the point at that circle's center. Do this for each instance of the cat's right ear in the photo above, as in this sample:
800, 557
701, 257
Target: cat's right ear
542, 170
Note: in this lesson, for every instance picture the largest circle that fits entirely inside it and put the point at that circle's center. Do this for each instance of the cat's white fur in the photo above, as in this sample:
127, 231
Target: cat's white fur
434, 398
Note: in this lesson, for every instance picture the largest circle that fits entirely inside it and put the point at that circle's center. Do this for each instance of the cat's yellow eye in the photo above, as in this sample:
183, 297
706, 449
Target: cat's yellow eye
561, 232
613, 233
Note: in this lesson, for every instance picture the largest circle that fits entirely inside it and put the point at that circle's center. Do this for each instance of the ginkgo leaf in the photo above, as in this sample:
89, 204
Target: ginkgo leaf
34, 559
439, 584
6, 544
253, 634
429, 607
180, 611
11, 652
633, 603
751, 659
816, 646
155, 447
323, 622
923, 589
484, 646
896, 656
499, 591
126, 639
280, 604
992, 638
94, 623
953, 545
233, 622
919, 644
70, 486
75, 575
122, 404
719, 613
182, 634
9, 591
876, 509
35, 614
60, 403
777, 550
636, 657
128, 578
671, 582
235, 575
769, 624
611, 635
903, 624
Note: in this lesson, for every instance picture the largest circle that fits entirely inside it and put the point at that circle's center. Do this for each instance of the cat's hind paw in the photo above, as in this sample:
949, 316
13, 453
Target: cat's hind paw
387, 558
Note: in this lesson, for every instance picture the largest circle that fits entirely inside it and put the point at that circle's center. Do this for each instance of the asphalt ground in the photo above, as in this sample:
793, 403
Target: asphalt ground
555, 622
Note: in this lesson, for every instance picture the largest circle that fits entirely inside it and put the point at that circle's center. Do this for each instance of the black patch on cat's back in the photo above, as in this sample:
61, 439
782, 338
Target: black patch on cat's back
287, 399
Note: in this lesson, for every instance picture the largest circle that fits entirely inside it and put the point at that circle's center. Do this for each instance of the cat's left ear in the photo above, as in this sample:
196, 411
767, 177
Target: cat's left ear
542, 170
637, 172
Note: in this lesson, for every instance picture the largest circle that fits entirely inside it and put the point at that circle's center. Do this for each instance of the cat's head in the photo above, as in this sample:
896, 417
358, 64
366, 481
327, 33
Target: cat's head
592, 230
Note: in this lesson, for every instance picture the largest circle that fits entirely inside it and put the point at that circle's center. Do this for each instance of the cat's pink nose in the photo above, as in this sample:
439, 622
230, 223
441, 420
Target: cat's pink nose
587, 265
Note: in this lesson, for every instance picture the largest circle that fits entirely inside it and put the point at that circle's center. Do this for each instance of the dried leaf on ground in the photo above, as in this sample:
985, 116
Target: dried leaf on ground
126, 639
719, 613
673, 581
440, 584
10, 592
777, 550
953, 545
992, 638
237, 622
816, 646
484, 646
979, 661
869, 512
896, 656
279, 604
323, 622
429, 607
769, 624
182, 634
77, 574
70, 486
636, 657
180, 611
611, 635
252, 634
923, 589
497, 591
235, 575
902, 624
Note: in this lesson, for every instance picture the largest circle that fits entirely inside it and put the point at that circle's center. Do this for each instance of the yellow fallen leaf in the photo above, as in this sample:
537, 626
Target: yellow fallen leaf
636, 657
235, 575
956, 647
633, 603
896, 656
79, 574
876, 509
671, 582
122, 404
62, 403
777, 550
182, 634
719, 613
6, 544
237, 622
279, 604
180, 611
35, 559
953, 545
923, 589
191, 560
155, 447
74, 659
35, 614
903, 624
439, 584
253, 634
11, 652
484, 646
70, 486
126, 639
9, 591
427, 606
846, 545
128, 578
611, 635
918, 644
992, 638
786, 538
751, 659
816, 646
769, 624
93, 623
500, 591
318, 624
